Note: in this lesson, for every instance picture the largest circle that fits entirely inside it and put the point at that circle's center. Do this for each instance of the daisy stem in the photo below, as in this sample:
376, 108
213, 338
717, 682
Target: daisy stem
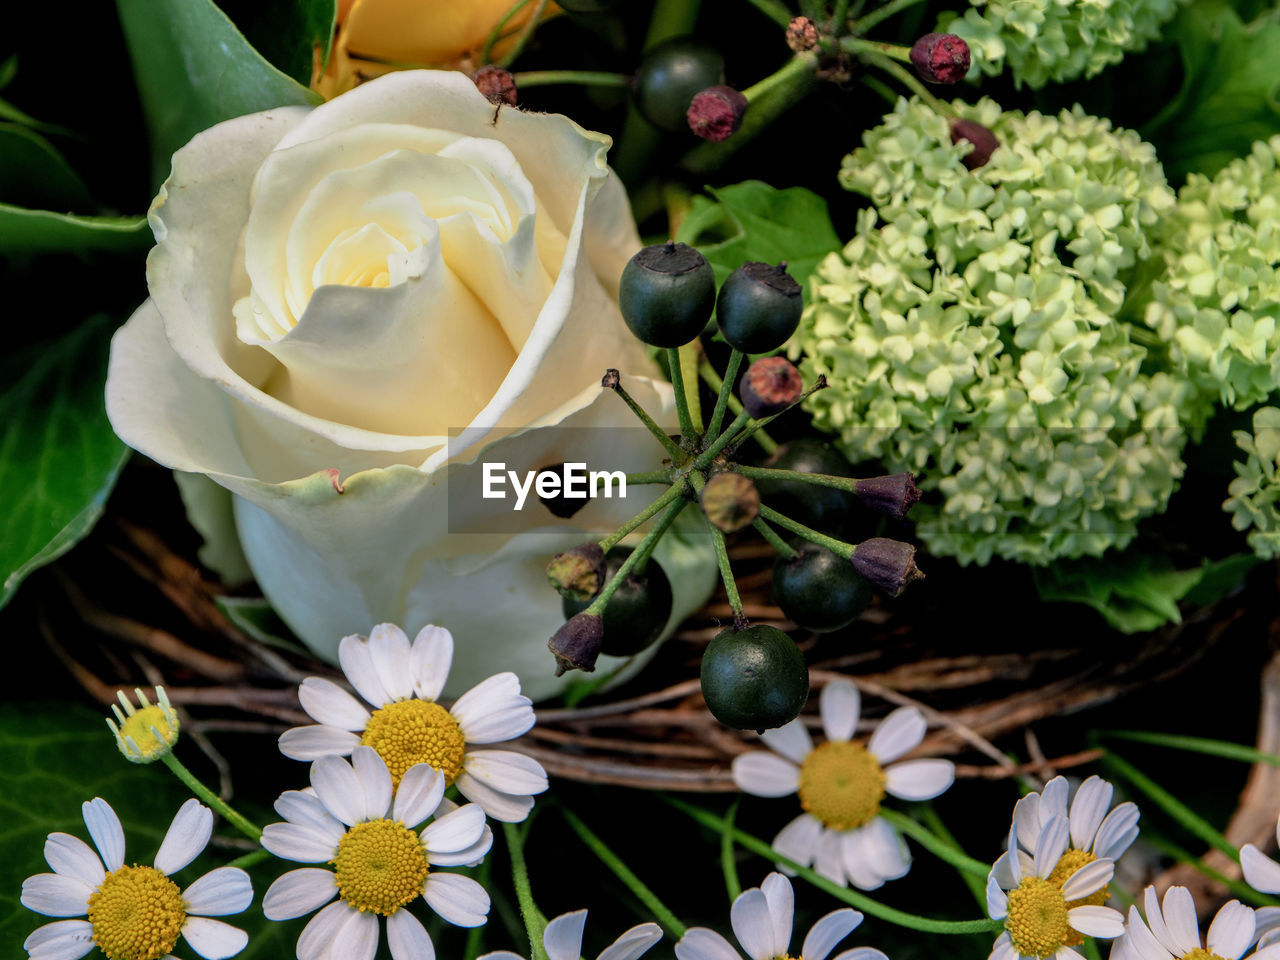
1090, 948
712, 379
726, 390
475, 936
1241, 890
731, 882
852, 897
534, 922
236, 819
661, 912
249, 859
934, 822
611, 541
944, 851
1216, 748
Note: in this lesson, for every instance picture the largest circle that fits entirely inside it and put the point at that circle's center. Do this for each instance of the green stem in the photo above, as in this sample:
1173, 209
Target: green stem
838, 547
895, 51
640, 553
584, 78
726, 575
853, 898
1216, 748
475, 936
660, 911
934, 822
525, 34
682, 398
881, 13
659, 434
703, 460
1241, 890
1090, 948
774, 10
838, 17
938, 847
784, 549
873, 82
727, 863
534, 922
819, 384
236, 819
250, 859
712, 379
726, 390
689, 355
496, 33
868, 52
649, 476
611, 541
849, 484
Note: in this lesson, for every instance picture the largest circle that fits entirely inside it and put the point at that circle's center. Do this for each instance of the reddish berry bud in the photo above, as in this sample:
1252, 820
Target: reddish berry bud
894, 495
983, 140
577, 643
769, 386
716, 113
887, 564
498, 85
802, 34
940, 58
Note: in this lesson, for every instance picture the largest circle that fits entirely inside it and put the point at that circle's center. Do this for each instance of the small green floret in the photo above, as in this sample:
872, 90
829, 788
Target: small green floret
1254, 503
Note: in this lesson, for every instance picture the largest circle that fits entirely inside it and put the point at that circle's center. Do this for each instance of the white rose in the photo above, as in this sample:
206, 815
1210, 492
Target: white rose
334, 289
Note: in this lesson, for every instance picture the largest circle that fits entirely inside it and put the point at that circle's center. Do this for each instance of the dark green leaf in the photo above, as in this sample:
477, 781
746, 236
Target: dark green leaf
43, 231
287, 32
34, 174
58, 456
195, 69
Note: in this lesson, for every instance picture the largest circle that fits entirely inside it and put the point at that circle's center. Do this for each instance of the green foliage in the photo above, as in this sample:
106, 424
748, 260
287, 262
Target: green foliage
195, 69
43, 231
58, 456
287, 32
34, 174
1230, 86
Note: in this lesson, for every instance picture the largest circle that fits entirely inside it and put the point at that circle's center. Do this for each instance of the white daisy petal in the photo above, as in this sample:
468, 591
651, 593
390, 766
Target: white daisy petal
830, 862
357, 939
468, 857
455, 831
632, 944
186, 838
829, 931
1140, 942
699, 943
298, 892
791, 740
839, 705
782, 907
356, 660
497, 954
63, 940
508, 808
408, 938
72, 857
494, 710
1269, 952
1053, 799
327, 703
1231, 931
1096, 921
1119, 829
1090, 878
1278, 830
104, 828
1002, 949
1260, 871
506, 771
919, 779
317, 936
375, 782
1179, 911
305, 809
55, 895
1066, 953
293, 841
882, 847
753, 926
1026, 818
1013, 863
997, 900
764, 774
339, 789
862, 953
563, 936
213, 939
429, 661
798, 840
899, 733
1051, 845
316, 741
418, 795
1001, 872
219, 893
1088, 807
1266, 920
458, 899
858, 866
1156, 925
389, 650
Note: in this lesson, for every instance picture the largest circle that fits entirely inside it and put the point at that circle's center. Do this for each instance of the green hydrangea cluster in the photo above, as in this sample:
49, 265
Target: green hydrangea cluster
970, 331
1044, 40
1255, 492
1218, 302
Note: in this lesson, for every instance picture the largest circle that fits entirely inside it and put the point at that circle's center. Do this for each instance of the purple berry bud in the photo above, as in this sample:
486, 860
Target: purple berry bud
802, 34
730, 502
887, 564
716, 113
577, 643
894, 495
983, 140
498, 85
769, 386
578, 573
940, 58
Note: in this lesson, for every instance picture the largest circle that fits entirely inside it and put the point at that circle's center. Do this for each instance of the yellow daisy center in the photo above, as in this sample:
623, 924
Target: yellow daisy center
381, 865
1201, 954
408, 732
842, 785
137, 914
1037, 918
138, 729
1072, 861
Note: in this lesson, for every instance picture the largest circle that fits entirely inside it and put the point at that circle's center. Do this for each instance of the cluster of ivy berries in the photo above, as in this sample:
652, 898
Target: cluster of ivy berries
617, 600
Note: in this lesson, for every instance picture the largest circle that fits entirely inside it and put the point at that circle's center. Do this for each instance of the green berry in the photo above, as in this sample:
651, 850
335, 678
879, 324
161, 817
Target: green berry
823, 508
638, 610
666, 294
754, 679
818, 590
759, 307
671, 75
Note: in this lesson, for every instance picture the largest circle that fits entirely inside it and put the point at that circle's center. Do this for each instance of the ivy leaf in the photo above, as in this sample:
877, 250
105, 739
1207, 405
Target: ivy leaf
43, 231
1229, 95
287, 32
59, 458
34, 174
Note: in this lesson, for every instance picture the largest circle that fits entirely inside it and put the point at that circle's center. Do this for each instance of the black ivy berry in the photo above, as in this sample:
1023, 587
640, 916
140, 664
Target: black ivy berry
754, 679
819, 590
759, 307
666, 294
670, 76
637, 611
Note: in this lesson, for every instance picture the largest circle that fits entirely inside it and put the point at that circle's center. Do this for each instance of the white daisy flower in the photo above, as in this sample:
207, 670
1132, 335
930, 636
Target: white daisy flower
1042, 916
134, 911
761, 918
1172, 930
402, 681
841, 785
563, 941
381, 862
1093, 832
1262, 873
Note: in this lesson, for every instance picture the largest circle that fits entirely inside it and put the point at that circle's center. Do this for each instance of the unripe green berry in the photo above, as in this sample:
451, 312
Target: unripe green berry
759, 307
754, 679
666, 294
819, 590
671, 75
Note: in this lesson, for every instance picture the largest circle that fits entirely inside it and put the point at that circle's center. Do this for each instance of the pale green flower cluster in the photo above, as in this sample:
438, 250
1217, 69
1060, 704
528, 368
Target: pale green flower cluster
1044, 40
1218, 301
971, 332
1254, 503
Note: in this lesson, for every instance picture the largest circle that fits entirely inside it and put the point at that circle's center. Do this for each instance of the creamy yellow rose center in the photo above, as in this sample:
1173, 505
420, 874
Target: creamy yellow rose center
1037, 918
136, 914
842, 785
381, 866
410, 732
